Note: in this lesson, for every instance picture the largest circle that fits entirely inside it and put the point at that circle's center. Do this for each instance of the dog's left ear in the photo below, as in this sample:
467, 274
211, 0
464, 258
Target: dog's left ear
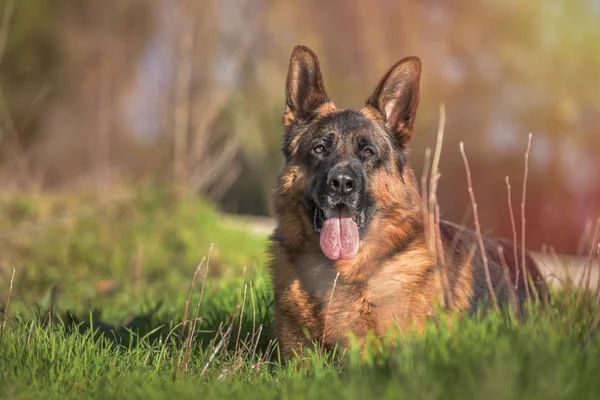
397, 97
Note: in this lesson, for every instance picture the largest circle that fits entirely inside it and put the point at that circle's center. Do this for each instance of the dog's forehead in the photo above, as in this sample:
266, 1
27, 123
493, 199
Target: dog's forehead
351, 123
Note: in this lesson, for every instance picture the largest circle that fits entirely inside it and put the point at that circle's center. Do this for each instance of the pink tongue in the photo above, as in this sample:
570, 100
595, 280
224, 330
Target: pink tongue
339, 238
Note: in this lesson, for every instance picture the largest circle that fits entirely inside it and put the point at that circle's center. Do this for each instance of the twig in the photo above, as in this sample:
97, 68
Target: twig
567, 280
256, 340
7, 303
512, 291
591, 254
463, 223
435, 176
433, 184
514, 232
523, 219
224, 337
424, 196
478, 227
327, 311
270, 349
442, 258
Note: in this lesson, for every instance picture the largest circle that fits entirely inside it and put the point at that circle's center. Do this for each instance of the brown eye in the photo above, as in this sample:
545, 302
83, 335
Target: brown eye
319, 149
368, 153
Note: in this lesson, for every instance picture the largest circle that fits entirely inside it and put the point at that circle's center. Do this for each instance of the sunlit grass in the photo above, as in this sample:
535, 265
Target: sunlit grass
98, 297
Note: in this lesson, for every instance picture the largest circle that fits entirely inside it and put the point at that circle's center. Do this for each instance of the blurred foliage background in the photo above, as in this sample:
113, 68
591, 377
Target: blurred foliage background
95, 93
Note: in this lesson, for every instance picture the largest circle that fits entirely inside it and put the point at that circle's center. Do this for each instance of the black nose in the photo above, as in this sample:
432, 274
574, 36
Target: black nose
341, 181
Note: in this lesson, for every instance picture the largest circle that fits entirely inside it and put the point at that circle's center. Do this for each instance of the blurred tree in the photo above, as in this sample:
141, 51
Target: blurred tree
28, 60
195, 91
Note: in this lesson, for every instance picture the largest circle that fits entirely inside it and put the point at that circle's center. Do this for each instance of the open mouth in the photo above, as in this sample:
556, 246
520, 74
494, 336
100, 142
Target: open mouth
320, 216
339, 231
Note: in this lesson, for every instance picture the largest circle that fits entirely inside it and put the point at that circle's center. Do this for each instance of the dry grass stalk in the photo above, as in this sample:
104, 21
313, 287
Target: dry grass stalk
511, 290
196, 318
186, 345
192, 328
596, 318
598, 287
478, 227
431, 209
30, 332
587, 230
514, 232
164, 343
225, 337
216, 349
327, 311
435, 175
7, 302
432, 203
566, 280
443, 267
588, 265
253, 311
255, 340
237, 340
424, 197
523, 219
187, 301
463, 223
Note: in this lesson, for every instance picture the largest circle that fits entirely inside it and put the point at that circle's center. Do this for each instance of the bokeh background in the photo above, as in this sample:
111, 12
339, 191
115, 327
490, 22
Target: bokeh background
98, 93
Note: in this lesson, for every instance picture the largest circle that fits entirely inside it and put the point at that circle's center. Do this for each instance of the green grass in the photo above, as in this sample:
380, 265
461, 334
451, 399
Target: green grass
99, 286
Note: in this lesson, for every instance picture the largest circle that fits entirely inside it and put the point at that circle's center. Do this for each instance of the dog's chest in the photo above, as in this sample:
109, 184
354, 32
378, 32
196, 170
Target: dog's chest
391, 299
377, 303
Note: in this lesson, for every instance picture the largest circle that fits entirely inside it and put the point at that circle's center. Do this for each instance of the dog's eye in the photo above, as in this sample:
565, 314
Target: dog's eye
319, 149
368, 153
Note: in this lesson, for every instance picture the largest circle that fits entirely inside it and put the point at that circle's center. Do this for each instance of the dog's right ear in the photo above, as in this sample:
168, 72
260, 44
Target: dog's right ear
304, 91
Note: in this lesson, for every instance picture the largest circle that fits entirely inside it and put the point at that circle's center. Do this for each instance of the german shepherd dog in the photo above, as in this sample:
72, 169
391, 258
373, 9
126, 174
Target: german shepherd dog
349, 251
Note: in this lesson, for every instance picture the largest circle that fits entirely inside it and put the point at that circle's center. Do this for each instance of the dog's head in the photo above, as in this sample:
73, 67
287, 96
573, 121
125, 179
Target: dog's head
351, 161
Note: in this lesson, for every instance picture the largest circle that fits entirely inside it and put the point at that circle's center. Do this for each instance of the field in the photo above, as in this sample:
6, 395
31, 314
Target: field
101, 288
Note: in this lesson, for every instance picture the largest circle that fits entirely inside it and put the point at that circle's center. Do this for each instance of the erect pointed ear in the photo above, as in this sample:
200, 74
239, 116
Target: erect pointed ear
304, 90
397, 97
